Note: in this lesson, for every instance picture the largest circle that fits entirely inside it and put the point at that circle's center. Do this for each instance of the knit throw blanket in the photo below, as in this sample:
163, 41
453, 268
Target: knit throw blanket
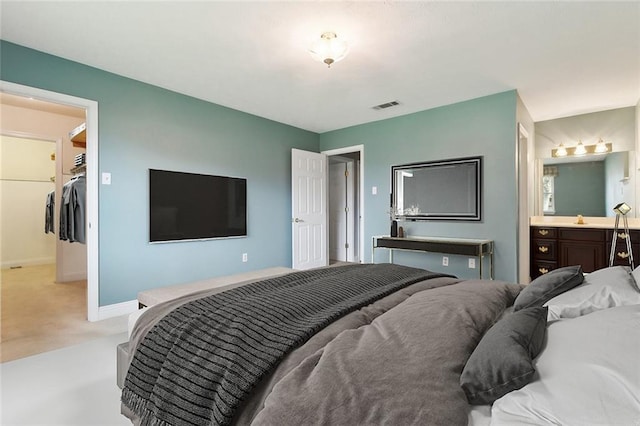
198, 363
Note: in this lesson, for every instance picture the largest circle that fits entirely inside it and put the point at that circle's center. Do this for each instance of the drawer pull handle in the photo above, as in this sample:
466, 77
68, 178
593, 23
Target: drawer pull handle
543, 270
543, 232
543, 249
622, 235
623, 255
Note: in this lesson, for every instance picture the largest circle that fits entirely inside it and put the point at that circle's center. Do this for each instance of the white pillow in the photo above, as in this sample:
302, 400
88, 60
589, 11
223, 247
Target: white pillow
588, 374
601, 289
636, 277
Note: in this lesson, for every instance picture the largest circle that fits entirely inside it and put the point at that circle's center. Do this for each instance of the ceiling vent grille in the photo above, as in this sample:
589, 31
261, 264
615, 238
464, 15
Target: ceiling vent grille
386, 105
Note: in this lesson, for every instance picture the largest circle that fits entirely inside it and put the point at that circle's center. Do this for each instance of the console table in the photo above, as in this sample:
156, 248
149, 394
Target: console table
460, 246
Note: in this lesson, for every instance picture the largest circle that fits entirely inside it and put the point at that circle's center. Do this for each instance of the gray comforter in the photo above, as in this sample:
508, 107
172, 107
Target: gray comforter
396, 361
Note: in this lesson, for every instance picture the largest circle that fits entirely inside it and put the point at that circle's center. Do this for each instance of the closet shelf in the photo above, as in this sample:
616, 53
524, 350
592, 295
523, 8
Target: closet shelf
78, 136
79, 169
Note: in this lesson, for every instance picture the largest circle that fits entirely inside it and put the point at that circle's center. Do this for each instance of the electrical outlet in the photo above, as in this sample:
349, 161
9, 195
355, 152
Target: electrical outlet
472, 263
445, 261
245, 257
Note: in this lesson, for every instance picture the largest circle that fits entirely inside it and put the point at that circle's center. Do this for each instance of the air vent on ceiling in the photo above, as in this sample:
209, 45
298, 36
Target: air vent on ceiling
386, 105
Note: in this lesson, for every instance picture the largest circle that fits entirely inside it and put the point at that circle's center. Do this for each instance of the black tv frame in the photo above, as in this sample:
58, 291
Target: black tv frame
187, 204
426, 213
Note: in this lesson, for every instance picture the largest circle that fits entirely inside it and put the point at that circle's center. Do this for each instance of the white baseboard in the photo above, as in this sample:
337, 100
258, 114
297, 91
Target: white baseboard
116, 310
27, 262
74, 276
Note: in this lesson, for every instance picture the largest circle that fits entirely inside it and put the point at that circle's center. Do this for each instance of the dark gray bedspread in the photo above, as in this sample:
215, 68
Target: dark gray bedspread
399, 366
396, 361
200, 362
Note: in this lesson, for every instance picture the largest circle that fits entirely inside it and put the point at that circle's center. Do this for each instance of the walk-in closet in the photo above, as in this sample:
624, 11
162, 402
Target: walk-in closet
43, 252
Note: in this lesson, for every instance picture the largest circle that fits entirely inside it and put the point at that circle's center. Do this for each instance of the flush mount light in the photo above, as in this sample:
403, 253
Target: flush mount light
329, 49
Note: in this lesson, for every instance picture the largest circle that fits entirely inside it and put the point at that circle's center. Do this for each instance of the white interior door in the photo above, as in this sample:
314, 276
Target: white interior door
351, 211
309, 215
337, 211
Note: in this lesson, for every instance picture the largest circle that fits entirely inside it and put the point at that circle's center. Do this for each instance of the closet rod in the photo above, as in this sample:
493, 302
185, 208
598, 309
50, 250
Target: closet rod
50, 180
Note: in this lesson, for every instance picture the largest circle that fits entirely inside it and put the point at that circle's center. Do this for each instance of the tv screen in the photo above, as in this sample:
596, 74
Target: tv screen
190, 206
438, 190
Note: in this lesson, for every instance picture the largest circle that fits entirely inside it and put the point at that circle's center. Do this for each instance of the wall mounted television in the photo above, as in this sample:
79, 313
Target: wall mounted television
438, 190
190, 206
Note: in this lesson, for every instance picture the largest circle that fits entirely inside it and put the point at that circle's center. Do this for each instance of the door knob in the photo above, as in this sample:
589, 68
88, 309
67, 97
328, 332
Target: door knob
296, 220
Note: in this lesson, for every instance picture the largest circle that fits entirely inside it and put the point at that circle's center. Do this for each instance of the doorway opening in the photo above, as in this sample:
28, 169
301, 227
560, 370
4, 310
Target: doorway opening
90, 110
44, 274
345, 179
524, 178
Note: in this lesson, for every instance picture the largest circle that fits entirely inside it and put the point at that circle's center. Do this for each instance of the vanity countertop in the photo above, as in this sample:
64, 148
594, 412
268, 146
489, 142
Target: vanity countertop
589, 222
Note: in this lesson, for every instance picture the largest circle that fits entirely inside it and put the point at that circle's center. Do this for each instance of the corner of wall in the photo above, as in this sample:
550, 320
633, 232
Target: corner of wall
635, 173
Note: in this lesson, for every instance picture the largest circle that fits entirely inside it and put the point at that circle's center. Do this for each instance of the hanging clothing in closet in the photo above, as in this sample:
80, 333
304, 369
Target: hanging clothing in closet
49, 216
72, 210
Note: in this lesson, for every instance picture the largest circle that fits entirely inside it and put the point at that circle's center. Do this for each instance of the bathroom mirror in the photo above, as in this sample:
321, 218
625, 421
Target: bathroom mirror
585, 185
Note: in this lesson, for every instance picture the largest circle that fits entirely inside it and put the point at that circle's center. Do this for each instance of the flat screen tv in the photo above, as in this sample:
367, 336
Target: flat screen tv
190, 206
438, 190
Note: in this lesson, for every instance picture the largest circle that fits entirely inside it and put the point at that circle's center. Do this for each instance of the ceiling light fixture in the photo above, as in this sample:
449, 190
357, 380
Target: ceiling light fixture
328, 49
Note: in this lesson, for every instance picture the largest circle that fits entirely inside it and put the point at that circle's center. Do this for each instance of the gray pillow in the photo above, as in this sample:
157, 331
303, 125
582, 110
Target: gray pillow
503, 360
548, 286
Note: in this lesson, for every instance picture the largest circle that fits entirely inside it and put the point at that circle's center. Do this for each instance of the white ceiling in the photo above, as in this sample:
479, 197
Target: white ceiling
30, 103
564, 58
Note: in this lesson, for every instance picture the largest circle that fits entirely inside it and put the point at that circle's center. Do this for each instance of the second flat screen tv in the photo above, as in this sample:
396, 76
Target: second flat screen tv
190, 206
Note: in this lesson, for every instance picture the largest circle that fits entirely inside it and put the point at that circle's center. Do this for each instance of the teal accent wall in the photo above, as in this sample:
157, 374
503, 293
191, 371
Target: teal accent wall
143, 126
484, 126
579, 188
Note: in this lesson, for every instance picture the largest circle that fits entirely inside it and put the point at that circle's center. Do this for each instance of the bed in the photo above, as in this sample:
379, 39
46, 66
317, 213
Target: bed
378, 344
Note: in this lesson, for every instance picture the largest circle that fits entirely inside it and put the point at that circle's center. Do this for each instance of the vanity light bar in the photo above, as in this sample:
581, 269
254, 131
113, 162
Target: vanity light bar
591, 149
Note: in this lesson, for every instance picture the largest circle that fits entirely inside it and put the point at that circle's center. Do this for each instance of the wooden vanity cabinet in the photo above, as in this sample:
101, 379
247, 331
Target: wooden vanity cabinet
579, 246
544, 253
553, 248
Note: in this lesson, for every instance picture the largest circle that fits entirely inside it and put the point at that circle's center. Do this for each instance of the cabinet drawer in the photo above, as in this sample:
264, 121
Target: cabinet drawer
540, 232
541, 267
622, 236
543, 249
621, 254
582, 234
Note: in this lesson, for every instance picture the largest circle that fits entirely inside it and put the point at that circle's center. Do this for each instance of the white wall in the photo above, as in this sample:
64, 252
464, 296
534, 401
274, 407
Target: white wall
26, 169
616, 126
38, 124
619, 186
636, 165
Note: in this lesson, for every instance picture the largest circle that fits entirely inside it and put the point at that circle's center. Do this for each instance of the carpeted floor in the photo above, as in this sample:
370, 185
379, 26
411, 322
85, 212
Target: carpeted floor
40, 315
72, 386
